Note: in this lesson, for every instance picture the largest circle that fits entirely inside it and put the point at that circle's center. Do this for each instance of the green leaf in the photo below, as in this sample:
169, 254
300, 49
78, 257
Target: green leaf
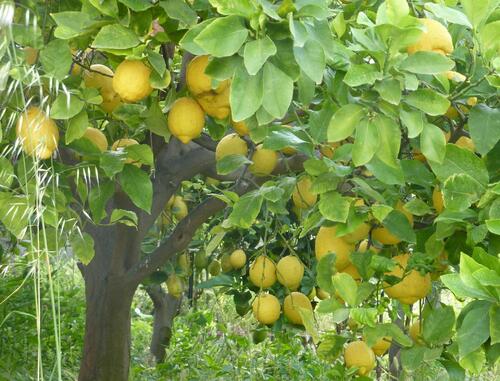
308, 321
108, 7
112, 162
459, 160
65, 107
179, 10
83, 247
325, 270
298, 31
364, 316
493, 226
137, 185
386, 173
372, 334
495, 324
477, 11
220, 280
98, 198
7, 175
230, 163
346, 287
484, 127
416, 172
451, 15
366, 142
412, 358
157, 62
427, 63
125, 217
278, 91
413, 120
56, 59
417, 207
156, 121
223, 37
389, 139
389, 90
77, 127
396, 10
306, 88
460, 191
223, 68
433, 143
257, 52
311, 59
398, 224
428, 101
71, 24
187, 41
344, 121
278, 140
15, 213
115, 36
334, 206
137, 5
473, 332
246, 94
438, 325
246, 210
474, 361
363, 74
244, 8
141, 153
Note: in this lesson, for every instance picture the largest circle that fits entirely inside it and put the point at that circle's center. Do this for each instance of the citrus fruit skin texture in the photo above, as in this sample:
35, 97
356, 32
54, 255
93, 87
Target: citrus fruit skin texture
384, 236
360, 233
101, 77
358, 354
437, 200
230, 144
290, 272
415, 332
37, 133
264, 161
401, 207
353, 272
184, 263
179, 208
266, 308
412, 287
322, 294
225, 263
291, 306
382, 345
363, 247
131, 81
240, 127
214, 104
435, 38
238, 259
174, 285
97, 138
120, 144
214, 267
302, 196
466, 142
262, 272
186, 119
197, 81
328, 242
455, 76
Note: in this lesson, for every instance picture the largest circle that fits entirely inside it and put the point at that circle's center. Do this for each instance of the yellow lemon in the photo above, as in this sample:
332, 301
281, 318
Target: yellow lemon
264, 161
412, 287
37, 133
131, 80
184, 262
290, 272
240, 127
353, 272
382, 345
225, 263
175, 285
384, 236
262, 272
435, 38
322, 294
401, 207
328, 242
197, 81
238, 259
472, 101
466, 142
179, 208
97, 138
363, 247
455, 76
266, 308
292, 305
231, 144
437, 200
101, 77
361, 232
415, 332
214, 104
120, 144
302, 196
358, 354
186, 119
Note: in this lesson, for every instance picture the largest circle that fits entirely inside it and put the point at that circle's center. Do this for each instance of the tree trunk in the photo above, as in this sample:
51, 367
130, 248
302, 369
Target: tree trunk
106, 352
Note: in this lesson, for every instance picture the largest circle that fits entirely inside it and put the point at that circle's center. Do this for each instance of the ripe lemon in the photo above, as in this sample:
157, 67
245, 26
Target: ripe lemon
302, 196
328, 242
225, 263
240, 127
184, 263
437, 200
262, 272
322, 294
264, 161
363, 247
384, 236
401, 207
361, 232
266, 308
382, 345
37, 133
230, 144
214, 104
292, 305
120, 144
455, 76
290, 272
214, 268
472, 101
186, 119
353, 272
466, 142
175, 285
179, 208
131, 80
101, 77
415, 332
197, 81
412, 287
358, 354
97, 138
238, 259
435, 38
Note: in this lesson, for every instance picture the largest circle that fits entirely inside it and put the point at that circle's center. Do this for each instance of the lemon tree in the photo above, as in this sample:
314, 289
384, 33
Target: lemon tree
317, 160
